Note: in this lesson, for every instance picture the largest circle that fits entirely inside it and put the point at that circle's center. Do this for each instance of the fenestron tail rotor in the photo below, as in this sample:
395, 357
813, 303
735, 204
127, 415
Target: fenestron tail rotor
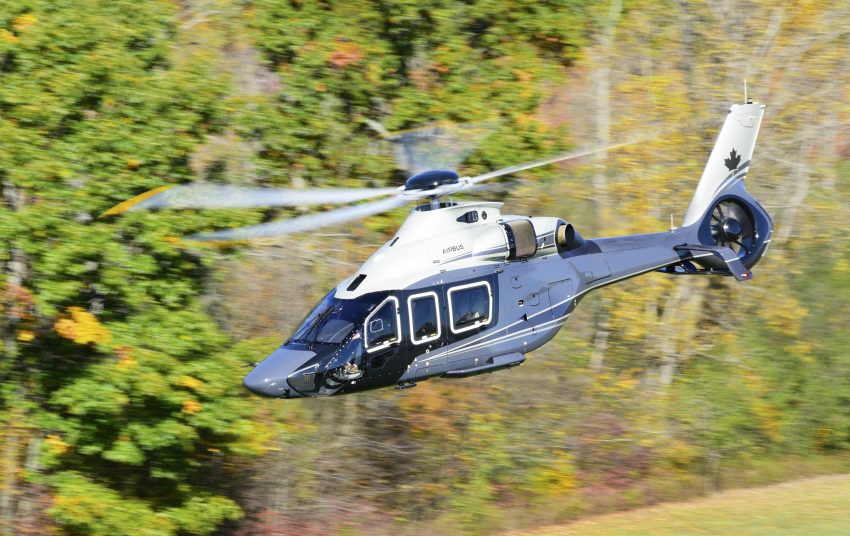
732, 226
431, 184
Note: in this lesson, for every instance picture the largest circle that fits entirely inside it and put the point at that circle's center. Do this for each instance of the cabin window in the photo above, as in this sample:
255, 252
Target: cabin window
382, 325
470, 306
424, 317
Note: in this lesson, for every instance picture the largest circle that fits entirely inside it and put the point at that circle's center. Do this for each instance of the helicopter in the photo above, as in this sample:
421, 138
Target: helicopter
462, 289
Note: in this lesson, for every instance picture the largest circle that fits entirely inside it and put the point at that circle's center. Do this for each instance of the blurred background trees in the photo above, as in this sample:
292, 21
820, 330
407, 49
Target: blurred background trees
121, 406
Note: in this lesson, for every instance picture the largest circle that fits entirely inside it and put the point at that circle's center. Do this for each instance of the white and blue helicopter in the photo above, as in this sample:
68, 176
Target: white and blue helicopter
463, 289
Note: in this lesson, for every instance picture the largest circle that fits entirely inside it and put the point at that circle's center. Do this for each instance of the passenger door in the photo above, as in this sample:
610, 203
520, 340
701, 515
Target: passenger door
471, 310
426, 324
382, 332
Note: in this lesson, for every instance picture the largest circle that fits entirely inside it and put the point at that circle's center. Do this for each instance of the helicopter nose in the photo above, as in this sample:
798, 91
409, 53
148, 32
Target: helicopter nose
269, 377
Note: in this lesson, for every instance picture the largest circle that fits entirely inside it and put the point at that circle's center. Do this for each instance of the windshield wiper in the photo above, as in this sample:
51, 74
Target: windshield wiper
314, 327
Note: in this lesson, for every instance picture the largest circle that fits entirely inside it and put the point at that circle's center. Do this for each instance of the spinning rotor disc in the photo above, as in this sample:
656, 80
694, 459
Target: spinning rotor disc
431, 184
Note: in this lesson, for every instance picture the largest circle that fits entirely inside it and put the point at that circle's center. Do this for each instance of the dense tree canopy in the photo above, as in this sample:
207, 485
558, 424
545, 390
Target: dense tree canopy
113, 376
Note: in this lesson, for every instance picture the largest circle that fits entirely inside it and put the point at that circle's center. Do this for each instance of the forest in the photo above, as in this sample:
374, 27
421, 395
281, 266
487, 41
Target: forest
123, 345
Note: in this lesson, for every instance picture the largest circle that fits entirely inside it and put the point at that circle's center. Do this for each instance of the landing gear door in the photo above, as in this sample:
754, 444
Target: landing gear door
427, 333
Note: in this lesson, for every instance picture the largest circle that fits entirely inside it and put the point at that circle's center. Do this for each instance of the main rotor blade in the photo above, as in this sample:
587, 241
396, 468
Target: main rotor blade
546, 161
205, 195
304, 223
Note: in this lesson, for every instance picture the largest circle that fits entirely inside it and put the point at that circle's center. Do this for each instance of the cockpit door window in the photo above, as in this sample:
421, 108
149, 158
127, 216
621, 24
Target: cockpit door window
382, 325
470, 306
424, 316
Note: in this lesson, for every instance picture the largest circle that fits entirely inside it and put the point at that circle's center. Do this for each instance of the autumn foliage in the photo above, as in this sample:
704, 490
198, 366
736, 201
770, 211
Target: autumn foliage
122, 344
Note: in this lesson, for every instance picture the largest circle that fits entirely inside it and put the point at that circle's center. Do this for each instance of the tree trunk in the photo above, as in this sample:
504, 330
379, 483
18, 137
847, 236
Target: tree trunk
600, 340
8, 485
602, 92
675, 334
15, 271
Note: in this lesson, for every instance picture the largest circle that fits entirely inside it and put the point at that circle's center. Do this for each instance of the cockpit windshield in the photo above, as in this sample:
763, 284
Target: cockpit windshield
334, 319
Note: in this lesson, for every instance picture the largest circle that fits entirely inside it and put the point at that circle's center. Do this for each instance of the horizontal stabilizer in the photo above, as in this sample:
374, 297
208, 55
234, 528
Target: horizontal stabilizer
730, 258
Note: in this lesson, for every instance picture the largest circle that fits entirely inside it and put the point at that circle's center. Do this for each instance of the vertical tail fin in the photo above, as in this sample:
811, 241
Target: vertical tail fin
729, 160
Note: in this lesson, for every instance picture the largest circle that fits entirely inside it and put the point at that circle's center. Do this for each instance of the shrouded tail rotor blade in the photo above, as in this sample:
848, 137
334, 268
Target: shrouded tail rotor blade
200, 195
304, 223
546, 161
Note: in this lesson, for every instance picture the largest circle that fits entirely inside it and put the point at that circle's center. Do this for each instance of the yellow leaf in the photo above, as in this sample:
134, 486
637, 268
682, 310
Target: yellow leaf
125, 357
82, 327
56, 445
65, 328
22, 22
8, 36
25, 335
191, 407
190, 382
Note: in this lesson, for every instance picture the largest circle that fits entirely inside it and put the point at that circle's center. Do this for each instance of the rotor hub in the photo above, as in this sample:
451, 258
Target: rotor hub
432, 179
732, 229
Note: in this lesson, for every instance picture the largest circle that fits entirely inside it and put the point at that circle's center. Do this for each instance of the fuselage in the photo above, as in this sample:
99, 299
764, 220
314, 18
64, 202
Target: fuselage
447, 296
461, 290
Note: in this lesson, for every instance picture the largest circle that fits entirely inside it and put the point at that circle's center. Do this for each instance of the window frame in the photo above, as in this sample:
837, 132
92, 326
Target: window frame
478, 323
410, 317
385, 344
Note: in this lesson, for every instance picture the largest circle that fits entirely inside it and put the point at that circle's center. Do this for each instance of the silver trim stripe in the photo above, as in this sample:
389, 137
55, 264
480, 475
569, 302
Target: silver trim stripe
556, 323
510, 336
